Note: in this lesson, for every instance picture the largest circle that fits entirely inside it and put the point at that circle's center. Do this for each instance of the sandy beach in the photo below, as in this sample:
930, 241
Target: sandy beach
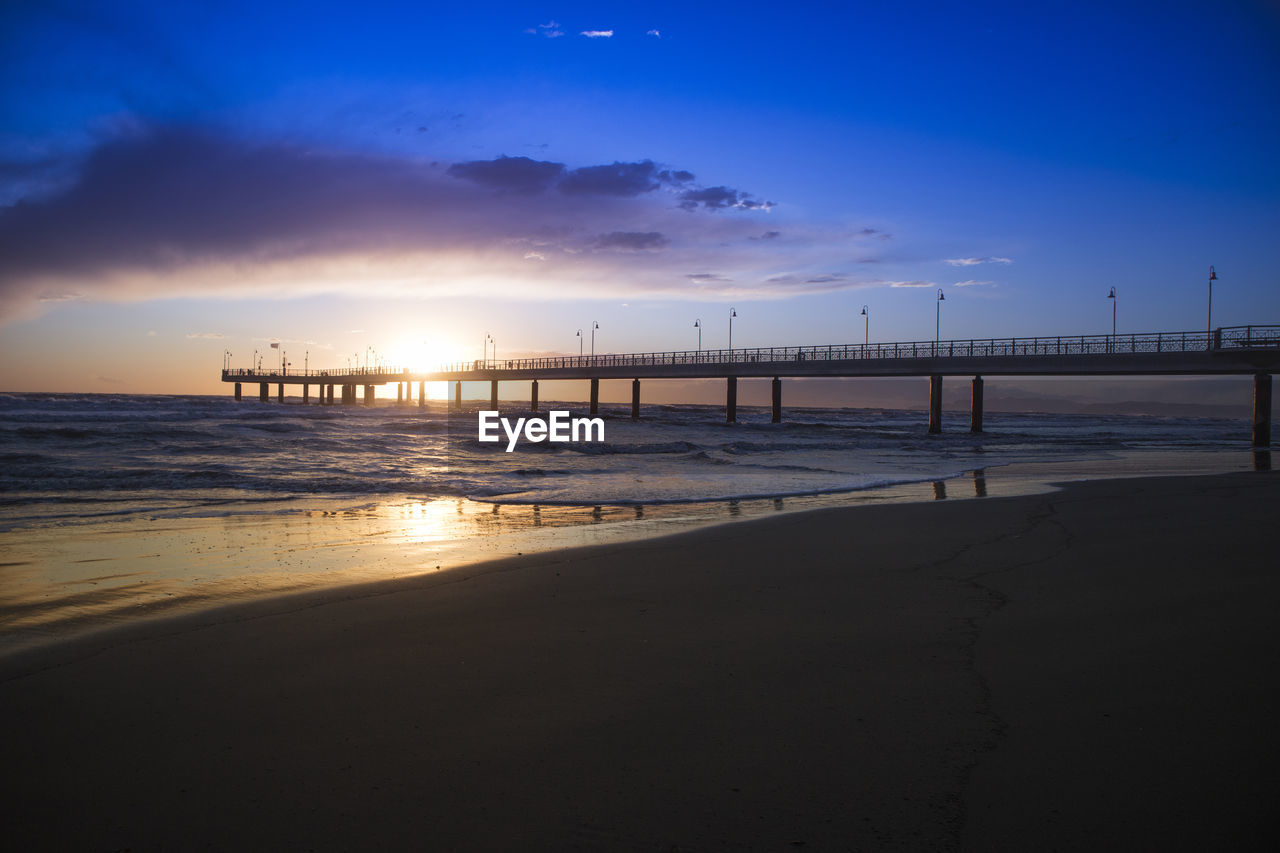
1092, 668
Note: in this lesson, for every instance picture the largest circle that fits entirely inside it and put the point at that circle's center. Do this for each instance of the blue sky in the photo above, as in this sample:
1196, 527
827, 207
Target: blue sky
181, 179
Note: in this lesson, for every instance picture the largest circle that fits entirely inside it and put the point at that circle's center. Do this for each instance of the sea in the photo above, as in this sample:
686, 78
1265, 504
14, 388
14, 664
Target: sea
116, 506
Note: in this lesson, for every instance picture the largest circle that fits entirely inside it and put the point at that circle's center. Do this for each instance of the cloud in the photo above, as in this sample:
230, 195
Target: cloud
908, 283
677, 176
549, 30
621, 179
634, 241
512, 174
208, 335
598, 34
182, 212
973, 283
969, 262
720, 198
794, 283
653, 33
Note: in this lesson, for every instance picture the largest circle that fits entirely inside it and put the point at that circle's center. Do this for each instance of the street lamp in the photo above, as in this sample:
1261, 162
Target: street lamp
254, 364
1213, 276
697, 324
1112, 297
594, 325
484, 349
579, 343
937, 314
866, 327
733, 312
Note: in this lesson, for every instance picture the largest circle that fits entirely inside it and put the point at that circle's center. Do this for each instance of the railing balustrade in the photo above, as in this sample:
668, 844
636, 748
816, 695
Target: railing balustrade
1228, 338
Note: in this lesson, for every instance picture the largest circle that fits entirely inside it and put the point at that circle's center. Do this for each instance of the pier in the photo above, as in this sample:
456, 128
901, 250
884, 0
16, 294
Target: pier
1237, 350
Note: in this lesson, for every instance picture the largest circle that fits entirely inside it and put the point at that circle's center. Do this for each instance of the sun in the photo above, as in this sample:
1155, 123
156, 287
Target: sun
418, 355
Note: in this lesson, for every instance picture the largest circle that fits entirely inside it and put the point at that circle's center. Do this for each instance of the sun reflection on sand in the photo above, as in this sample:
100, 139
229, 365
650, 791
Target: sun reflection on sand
66, 577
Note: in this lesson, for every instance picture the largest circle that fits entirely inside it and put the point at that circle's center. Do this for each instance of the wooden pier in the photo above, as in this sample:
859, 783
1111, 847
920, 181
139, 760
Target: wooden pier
1238, 350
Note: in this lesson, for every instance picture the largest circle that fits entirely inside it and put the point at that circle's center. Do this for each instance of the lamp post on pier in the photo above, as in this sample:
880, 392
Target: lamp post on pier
1112, 297
733, 312
697, 324
937, 315
579, 343
595, 324
866, 327
1213, 276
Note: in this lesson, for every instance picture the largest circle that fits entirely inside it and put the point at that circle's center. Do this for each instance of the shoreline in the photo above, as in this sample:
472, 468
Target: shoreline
67, 581
1078, 668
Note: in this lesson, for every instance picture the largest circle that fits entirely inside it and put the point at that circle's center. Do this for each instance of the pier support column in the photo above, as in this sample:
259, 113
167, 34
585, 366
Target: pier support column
493, 394
399, 393
306, 393
422, 394
777, 400
935, 404
533, 397
595, 396
635, 399
975, 408
237, 392
457, 395
731, 400
280, 392
368, 395
1262, 410
262, 391
330, 395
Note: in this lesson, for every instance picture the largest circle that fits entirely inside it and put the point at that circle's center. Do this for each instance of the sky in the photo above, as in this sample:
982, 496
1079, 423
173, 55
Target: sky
404, 181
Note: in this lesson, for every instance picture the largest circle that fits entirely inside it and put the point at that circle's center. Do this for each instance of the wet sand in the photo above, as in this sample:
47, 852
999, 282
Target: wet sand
1088, 668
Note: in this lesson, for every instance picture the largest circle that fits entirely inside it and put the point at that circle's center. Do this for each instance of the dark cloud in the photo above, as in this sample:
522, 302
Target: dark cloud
720, 198
768, 235
679, 176
512, 174
618, 179
634, 241
707, 278
172, 196
168, 211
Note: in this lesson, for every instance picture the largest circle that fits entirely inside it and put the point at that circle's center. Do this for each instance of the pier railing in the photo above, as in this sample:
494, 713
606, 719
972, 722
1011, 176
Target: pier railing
1228, 338
388, 374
